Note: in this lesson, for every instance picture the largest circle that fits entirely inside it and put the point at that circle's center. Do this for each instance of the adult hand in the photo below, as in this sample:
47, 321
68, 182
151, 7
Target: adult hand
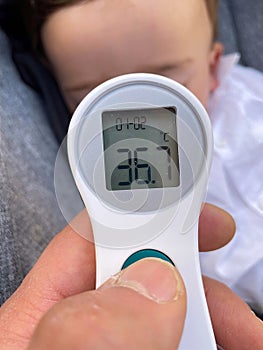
56, 305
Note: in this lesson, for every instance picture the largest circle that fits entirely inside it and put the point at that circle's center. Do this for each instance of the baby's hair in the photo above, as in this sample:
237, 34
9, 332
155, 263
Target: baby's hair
36, 13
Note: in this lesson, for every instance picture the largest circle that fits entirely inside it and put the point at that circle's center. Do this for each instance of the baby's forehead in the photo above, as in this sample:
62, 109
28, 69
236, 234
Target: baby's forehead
115, 20
104, 10
89, 43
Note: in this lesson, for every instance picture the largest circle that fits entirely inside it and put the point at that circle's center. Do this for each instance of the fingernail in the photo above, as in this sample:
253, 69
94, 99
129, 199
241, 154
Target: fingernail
219, 347
154, 278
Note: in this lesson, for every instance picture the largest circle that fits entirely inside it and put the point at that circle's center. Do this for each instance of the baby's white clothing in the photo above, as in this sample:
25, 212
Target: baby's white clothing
236, 182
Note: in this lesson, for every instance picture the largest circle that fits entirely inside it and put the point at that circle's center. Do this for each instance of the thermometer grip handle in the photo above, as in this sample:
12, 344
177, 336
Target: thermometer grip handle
183, 250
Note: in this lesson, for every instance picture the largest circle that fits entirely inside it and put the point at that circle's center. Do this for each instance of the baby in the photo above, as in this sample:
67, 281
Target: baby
88, 42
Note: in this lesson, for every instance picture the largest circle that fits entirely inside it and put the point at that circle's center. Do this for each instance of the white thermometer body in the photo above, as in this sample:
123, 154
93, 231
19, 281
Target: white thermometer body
140, 149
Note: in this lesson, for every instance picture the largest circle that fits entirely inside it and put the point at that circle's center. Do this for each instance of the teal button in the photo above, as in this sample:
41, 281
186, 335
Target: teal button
146, 253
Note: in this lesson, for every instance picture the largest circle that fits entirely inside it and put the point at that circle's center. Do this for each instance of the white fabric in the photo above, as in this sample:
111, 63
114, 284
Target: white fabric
236, 180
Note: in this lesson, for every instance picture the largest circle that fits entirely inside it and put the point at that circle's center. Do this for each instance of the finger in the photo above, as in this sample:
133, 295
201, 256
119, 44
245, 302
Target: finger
143, 307
66, 267
216, 228
235, 326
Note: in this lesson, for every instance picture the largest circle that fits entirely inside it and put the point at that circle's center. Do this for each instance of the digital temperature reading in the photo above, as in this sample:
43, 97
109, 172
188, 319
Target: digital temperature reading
140, 148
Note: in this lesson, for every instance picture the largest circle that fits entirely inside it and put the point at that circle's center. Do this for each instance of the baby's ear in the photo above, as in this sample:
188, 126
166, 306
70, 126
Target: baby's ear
215, 55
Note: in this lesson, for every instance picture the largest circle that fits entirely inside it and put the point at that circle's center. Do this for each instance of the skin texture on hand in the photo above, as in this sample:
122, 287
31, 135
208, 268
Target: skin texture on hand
56, 305
124, 313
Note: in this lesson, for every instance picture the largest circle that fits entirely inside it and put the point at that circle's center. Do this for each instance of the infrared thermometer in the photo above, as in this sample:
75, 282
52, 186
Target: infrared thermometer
140, 149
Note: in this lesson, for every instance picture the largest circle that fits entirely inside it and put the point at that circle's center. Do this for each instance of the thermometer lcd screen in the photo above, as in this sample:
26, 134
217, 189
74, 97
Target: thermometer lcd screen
140, 148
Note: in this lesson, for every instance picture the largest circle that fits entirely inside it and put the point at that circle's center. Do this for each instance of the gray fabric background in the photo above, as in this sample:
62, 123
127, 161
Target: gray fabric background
241, 29
29, 214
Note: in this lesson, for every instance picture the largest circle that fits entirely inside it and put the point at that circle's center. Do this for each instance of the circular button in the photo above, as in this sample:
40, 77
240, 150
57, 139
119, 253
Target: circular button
146, 253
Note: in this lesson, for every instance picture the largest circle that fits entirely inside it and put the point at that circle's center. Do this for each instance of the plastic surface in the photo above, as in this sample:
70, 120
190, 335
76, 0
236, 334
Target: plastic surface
163, 219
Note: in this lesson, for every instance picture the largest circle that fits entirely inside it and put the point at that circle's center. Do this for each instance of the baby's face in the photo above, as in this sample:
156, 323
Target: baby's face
91, 42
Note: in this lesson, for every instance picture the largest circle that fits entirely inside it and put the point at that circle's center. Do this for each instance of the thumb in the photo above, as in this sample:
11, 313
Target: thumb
142, 307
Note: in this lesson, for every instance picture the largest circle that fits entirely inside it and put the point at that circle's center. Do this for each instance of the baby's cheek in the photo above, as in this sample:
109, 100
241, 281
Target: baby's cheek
72, 99
201, 90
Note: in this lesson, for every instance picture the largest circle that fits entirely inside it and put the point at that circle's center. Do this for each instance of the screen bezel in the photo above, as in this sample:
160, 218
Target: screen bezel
140, 91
